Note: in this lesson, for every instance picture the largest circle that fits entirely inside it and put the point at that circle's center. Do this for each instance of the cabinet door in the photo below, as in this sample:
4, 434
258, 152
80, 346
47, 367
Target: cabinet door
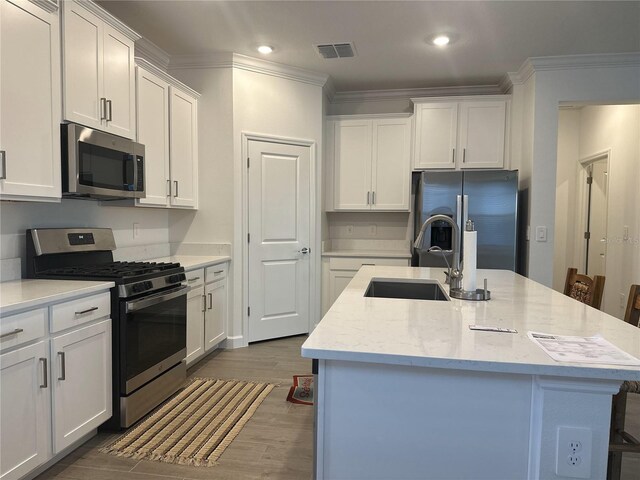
81, 381
153, 132
338, 280
29, 101
216, 314
83, 66
482, 134
183, 146
436, 134
352, 164
196, 306
391, 167
119, 83
25, 416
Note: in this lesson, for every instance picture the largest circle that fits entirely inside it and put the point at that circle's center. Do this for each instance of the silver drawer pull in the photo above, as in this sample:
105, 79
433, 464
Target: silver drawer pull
210, 295
3, 160
193, 279
45, 382
92, 309
218, 272
63, 367
15, 332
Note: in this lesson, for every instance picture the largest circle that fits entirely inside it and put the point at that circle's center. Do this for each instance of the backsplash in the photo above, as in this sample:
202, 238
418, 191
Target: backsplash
370, 225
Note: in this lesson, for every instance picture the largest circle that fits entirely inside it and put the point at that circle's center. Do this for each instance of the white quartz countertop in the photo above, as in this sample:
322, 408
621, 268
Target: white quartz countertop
19, 295
191, 262
367, 253
436, 333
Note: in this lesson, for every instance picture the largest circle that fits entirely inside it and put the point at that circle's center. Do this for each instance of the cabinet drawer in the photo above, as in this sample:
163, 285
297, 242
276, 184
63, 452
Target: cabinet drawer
195, 278
354, 263
22, 328
76, 312
216, 272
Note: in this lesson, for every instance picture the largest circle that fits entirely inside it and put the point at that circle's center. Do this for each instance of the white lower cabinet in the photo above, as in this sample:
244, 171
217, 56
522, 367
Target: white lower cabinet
54, 389
206, 310
337, 272
25, 410
81, 382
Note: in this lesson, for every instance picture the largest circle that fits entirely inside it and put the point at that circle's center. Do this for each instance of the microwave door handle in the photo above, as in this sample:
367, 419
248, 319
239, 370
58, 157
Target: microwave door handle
132, 158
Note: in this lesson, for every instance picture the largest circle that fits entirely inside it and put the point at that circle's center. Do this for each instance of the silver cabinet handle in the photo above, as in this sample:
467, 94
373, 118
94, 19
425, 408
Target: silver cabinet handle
103, 108
168, 188
464, 155
368, 197
204, 303
304, 250
92, 309
373, 198
190, 280
63, 366
176, 185
45, 376
218, 272
210, 295
110, 116
453, 156
3, 160
15, 332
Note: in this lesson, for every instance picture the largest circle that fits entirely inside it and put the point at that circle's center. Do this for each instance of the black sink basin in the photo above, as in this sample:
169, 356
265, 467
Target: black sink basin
411, 289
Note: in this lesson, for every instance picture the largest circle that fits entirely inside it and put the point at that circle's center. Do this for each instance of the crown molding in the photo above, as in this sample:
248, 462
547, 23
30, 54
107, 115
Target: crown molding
408, 93
572, 62
158, 72
568, 62
152, 53
49, 6
251, 64
361, 116
109, 19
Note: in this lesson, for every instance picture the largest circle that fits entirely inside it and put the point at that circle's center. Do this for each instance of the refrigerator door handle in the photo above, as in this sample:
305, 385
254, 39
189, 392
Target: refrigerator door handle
465, 212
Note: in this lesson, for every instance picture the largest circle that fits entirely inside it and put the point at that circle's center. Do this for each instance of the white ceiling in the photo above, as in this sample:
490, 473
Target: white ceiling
389, 36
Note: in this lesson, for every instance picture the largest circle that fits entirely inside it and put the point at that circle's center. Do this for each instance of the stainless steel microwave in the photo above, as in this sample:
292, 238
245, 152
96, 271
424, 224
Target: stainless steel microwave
100, 165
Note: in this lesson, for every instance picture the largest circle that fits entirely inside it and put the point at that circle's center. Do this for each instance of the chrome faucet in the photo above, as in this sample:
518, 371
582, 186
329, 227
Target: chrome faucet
455, 271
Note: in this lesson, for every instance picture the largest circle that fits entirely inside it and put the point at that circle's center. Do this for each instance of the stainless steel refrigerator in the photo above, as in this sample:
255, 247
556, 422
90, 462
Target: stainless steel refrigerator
487, 197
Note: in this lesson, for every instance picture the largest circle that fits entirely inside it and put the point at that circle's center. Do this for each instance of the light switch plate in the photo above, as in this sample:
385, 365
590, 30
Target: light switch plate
541, 234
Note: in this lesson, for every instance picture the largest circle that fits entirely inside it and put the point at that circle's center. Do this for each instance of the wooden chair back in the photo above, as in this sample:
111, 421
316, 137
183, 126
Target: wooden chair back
632, 315
584, 288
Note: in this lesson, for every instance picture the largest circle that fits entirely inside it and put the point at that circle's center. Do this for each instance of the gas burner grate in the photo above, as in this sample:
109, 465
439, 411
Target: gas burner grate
112, 270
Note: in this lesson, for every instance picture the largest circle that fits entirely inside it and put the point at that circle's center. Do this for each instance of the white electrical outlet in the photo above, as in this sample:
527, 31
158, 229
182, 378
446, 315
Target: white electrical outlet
373, 229
349, 230
136, 229
623, 300
625, 233
573, 453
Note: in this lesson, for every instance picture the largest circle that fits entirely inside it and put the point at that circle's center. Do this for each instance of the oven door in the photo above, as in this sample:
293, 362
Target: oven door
153, 336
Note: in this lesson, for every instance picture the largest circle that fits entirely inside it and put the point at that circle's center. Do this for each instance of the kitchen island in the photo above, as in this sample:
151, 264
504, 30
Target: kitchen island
405, 390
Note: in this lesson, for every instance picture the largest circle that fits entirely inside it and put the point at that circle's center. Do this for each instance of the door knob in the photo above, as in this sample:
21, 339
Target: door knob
304, 250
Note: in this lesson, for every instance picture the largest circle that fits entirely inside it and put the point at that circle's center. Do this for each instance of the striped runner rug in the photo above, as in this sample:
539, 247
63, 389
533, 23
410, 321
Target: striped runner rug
195, 426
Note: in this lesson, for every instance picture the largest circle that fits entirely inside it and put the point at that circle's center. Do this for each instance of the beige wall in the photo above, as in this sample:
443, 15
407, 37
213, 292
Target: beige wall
583, 133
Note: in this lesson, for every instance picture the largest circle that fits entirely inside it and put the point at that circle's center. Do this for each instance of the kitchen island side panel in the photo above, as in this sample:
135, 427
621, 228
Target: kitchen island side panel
379, 421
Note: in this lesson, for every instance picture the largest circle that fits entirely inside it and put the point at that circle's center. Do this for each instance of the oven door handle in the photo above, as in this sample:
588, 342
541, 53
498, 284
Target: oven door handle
134, 305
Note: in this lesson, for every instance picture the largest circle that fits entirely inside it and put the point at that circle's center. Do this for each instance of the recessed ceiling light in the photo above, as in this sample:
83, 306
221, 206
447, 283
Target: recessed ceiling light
440, 40
265, 49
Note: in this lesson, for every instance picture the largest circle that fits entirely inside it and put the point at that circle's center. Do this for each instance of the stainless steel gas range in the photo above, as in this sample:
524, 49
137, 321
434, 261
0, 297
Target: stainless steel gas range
148, 312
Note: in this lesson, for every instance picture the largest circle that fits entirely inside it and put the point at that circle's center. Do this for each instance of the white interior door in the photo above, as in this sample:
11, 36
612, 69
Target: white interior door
278, 199
597, 222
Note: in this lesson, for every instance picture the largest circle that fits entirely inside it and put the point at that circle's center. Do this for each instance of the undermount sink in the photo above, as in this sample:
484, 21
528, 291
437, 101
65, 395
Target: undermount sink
409, 289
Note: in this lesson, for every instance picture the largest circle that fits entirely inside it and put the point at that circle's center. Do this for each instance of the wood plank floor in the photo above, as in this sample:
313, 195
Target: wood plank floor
276, 444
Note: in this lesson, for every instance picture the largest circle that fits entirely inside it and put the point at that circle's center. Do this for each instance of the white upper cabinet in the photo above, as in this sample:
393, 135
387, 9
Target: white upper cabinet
183, 144
470, 132
153, 132
29, 102
98, 69
369, 163
167, 125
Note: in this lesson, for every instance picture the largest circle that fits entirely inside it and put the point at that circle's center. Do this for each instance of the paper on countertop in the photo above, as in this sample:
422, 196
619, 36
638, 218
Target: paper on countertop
565, 348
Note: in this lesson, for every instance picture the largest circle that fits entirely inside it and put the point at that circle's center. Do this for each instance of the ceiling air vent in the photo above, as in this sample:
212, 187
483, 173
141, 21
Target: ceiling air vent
336, 50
